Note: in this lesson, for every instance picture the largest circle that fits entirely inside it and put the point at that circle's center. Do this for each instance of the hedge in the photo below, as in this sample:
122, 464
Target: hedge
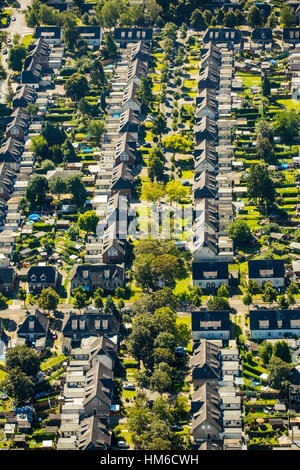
40, 226
59, 117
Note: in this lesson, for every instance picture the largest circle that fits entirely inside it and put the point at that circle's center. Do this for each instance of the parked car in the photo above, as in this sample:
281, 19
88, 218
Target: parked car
123, 444
4, 51
175, 427
13, 18
128, 386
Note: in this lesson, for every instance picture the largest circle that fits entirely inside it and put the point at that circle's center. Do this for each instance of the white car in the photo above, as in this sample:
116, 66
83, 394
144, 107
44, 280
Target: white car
13, 18
123, 444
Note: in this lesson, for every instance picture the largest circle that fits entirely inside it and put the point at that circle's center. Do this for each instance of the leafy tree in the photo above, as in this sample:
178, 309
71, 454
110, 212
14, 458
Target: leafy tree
279, 372
161, 380
281, 349
176, 191
3, 74
80, 299
218, 303
110, 13
83, 107
98, 302
223, 291
70, 35
88, 221
260, 186
283, 302
253, 287
16, 57
76, 187
97, 73
73, 233
255, 18
269, 294
247, 299
239, 232
57, 186
286, 16
287, 126
272, 20
153, 10
68, 151
53, 134
24, 358
292, 288
18, 386
145, 92
97, 128
76, 86
266, 87
156, 169
39, 146
141, 339
3, 302
22, 294
229, 20
48, 299
36, 190
152, 192
111, 48
265, 150
159, 125
265, 351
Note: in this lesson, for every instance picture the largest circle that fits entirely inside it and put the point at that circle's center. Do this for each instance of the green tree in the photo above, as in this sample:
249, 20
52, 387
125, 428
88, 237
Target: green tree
3, 302
260, 187
239, 232
218, 303
97, 128
255, 18
286, 16
279, 372
48, 299
88, 221
156, 169
152, 192
159, 125
18, 386
176, 191
76, 86
223, 291
145, 92
161, 380
36, 190
247, 299
97, 73
287, 126
80, 300
269, 294
16, 57
265, 351
22, 294
281, 349
24, 358
272, 20
76, 187
57, 186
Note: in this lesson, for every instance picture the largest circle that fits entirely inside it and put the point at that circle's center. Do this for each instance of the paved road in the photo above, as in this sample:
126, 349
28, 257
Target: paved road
18, 26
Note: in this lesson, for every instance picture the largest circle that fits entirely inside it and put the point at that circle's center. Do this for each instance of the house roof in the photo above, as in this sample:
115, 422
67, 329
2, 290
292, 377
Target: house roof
93, 433
209, 270
89, 324
205, 214
205, 361
206, 128
205, 407
274, 319
261, 35
10, 150
133, 34
130, 93
40, 274
48, 31
138, 68
95, 31
204, 185
122, 177
140, 50
98, 384
94, 272
129, 121
25, 93
291, 34
222, 35
205, 320
266, 268
7, 275
40, 324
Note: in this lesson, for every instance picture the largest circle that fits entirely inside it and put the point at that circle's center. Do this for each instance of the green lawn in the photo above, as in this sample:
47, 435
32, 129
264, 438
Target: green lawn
181, 286
27, 40
290, 104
